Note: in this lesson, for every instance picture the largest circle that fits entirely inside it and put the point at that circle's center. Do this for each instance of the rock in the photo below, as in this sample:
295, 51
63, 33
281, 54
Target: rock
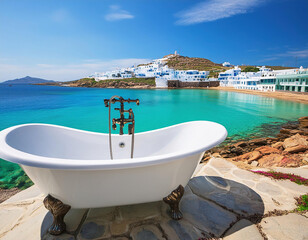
240, 144
255, 155
216, 155
243, 157
290, 126
303, 122
266, 150
236, 150
295, 141
258, 141
295, 131
291, 226
205, 159
249, 157
243, 229
270, 160
296, 149
305, 158
277, 160
254, 163
285, 131
282, 136
278, 145
293, 161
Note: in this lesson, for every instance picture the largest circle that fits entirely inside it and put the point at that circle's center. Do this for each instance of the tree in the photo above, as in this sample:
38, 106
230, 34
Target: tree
251, 69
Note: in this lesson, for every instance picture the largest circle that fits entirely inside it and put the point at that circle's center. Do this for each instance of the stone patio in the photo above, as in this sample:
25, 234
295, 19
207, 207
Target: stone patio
220, 201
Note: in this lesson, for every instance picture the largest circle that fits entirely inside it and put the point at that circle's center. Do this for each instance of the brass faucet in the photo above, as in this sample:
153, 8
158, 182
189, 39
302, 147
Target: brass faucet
122, 120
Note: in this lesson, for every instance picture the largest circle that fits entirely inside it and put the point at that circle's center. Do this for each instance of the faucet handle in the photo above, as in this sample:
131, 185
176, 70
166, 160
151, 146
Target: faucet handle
136, 101
106, 101
130, 129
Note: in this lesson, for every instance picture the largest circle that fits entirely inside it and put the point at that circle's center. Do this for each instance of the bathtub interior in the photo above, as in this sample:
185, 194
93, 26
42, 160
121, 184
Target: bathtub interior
65, 143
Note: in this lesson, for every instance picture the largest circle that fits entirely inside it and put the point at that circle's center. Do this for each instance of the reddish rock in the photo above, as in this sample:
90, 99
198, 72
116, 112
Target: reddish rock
303, 122
272, 160
282, 136
278, 145
289, 162
295, 141
249, 157
265, 150
243, 157
258, 141
296, 149
285, 131
295, 131
253, 156
240, 144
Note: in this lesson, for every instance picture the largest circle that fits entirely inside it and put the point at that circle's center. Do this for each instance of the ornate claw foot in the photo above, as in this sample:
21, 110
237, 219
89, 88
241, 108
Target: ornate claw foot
58, 210
173, 200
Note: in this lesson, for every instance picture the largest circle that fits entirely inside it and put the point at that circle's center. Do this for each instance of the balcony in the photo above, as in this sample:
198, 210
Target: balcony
292, 84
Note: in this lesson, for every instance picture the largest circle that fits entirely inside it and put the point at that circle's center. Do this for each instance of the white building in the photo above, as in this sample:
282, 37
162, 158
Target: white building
181, 75
157, 69
228, 78
227, 64
263, 80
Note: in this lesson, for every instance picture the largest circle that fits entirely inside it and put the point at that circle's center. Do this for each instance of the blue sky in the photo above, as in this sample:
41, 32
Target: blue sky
65, 40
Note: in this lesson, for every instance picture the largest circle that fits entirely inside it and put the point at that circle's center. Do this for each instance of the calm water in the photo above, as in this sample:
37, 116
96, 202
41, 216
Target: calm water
83, 108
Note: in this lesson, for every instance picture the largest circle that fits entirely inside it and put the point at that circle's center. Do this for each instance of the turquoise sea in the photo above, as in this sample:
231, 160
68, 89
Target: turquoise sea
243, 115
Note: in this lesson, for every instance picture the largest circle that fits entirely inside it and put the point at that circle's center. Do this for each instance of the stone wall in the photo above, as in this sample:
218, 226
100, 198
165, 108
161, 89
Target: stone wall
179, 84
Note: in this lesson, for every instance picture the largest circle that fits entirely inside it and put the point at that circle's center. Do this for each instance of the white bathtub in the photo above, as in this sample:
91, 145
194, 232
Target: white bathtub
75, 166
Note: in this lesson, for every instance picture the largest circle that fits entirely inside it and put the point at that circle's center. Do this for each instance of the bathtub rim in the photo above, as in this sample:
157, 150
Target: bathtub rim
11, 154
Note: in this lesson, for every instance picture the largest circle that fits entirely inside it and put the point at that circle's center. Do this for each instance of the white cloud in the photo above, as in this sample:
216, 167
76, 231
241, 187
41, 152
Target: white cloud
299, 53
64, 72
212, 10
116, 13
287, 54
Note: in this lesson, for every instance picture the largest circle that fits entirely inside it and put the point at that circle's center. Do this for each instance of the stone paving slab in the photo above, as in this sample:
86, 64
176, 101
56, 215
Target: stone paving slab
288, 227
276, 195
216, 202
243, 229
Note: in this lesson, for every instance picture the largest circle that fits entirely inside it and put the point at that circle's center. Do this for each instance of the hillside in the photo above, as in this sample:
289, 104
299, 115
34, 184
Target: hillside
193, 63
27, 80
188, 63
271, 67
112, 83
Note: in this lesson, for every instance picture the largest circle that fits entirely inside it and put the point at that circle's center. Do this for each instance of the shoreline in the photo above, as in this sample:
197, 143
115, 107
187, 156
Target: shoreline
287, 96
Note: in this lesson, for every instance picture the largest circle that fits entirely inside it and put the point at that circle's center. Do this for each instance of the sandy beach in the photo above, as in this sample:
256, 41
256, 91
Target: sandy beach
289, 96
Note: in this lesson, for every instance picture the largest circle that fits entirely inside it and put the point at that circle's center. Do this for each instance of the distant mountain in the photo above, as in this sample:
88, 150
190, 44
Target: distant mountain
27, 80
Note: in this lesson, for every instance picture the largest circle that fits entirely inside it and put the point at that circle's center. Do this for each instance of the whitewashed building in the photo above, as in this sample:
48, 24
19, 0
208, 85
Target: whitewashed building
157, 69
227, 64
263, 80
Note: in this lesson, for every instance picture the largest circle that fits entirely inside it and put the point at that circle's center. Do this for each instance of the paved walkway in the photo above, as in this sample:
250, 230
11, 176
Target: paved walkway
221, 201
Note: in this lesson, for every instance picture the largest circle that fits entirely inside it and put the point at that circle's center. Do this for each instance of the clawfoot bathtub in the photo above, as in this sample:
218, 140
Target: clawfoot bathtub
74, 167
